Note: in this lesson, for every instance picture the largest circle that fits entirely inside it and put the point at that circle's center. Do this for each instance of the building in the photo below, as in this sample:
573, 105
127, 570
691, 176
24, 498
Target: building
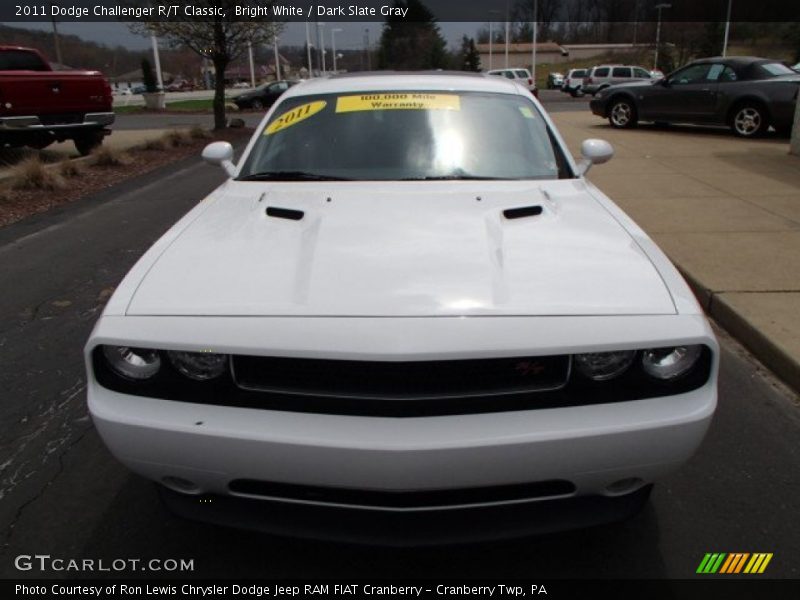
520, 55
548, 53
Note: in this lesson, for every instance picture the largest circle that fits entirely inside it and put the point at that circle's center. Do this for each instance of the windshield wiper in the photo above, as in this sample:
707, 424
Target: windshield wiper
290, 176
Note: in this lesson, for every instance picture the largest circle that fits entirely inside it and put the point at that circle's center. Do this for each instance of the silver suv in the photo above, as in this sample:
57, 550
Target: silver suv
602, 76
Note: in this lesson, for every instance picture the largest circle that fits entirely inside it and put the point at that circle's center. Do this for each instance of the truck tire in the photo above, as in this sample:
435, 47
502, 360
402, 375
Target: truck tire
86, 142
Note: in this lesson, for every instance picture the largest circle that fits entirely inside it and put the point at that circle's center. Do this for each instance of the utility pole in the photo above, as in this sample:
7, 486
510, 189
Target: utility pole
727, 30
658, 31
57, 42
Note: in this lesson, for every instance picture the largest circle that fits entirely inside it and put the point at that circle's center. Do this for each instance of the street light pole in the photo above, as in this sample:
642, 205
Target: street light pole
507, 36
491, 38
252, 66
658, 31
308, 52
535, 33
321, 39
727, 30
333, 46
491, 43
277, 59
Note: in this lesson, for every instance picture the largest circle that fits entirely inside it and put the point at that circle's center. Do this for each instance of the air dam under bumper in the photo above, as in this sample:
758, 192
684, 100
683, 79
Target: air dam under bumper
592, 447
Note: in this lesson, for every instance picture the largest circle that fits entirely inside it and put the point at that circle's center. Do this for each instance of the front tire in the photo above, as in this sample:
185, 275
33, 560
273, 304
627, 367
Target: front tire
622, 114
749, 121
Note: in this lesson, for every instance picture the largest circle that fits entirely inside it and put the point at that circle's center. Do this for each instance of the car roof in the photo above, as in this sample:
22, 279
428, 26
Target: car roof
734, 61
390, 80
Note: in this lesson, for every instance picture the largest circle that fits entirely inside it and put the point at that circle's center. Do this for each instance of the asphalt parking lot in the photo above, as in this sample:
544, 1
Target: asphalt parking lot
64, 495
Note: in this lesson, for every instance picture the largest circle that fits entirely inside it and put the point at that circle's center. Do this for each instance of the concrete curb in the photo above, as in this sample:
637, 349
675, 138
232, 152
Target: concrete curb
772, 355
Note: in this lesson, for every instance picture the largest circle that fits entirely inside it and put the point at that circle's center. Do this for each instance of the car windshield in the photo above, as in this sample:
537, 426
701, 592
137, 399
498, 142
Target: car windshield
405, 135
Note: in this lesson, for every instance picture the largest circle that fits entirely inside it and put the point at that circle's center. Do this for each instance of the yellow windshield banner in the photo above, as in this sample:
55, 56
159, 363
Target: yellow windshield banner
398, 101
294, 116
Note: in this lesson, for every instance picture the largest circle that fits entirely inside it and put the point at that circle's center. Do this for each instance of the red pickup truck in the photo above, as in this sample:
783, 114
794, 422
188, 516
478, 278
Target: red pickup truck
39, 106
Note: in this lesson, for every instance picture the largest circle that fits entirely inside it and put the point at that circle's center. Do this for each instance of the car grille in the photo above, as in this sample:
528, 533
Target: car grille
400, 380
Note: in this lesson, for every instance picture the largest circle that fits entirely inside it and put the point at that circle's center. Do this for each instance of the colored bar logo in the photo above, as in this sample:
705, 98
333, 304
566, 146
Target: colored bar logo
734, 563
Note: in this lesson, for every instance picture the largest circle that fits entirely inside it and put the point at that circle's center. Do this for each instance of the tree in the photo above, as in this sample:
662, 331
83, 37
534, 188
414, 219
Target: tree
148, 77
470, 58
412, 42
219, 38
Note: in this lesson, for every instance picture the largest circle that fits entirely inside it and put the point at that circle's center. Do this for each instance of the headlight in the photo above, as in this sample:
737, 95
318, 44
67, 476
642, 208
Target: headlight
602, 366
670, 363
200, 366
133, 363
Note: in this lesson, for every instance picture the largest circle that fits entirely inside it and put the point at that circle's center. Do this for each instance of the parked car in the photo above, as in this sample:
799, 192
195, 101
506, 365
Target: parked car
573, 82
180, 86
796, 67
39, 106
746, 94
656, 74
241, 85
408, 314
600, 77
263, 96
521, 76
555, 81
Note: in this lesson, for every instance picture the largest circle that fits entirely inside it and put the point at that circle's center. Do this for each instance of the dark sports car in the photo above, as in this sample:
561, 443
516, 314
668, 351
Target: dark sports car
262, 96
744, 93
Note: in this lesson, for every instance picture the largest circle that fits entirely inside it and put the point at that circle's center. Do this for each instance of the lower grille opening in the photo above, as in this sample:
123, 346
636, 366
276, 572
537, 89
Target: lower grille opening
403, 498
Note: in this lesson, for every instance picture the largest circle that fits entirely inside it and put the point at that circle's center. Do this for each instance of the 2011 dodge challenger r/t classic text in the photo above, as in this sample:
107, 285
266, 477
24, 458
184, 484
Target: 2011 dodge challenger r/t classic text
405, 317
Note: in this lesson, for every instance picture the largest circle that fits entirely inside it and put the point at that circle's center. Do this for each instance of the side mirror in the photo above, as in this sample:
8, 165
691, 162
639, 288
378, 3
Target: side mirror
594, 152
220, 154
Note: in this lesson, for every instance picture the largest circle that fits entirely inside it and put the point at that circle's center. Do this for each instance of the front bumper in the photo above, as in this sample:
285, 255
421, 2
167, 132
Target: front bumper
353, 463
598, 107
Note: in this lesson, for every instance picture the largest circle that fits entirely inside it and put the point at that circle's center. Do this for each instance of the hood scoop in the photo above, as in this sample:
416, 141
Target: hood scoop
285, 213
522, 212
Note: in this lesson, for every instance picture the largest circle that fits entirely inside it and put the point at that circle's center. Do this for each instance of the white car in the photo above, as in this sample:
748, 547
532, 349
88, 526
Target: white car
406, 315
521, 76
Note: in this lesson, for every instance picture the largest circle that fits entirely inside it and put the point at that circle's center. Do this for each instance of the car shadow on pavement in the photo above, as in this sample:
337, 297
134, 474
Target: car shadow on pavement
137, 525
770, 138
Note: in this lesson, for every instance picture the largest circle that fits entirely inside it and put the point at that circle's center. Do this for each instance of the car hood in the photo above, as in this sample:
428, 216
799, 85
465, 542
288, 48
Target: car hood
402, 249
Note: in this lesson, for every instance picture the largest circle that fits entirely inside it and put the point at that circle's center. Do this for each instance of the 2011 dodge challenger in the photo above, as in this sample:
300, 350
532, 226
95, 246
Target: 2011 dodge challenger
407, 316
